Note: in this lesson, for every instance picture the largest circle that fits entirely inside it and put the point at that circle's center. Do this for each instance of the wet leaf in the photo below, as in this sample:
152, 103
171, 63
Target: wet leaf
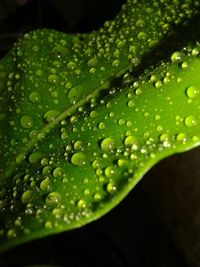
80, 125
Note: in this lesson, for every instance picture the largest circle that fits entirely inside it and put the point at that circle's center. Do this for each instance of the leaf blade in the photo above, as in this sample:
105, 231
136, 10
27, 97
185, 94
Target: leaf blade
72, 169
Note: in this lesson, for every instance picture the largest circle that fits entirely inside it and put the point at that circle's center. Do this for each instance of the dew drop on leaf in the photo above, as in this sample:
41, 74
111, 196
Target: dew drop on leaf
26, 121
190, 121
58, 172
50, 115
176, 57
53, 78
111, 188
53, 199
108, 144
45, 185
78, 159
181, 137
192, 91
27, 196
35, 157
34, 97
81, 204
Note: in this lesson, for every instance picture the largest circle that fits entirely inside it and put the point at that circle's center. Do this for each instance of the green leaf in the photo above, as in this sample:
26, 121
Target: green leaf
79, 128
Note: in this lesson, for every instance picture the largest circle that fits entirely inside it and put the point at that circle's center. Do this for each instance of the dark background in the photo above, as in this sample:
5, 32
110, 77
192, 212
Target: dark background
133, 234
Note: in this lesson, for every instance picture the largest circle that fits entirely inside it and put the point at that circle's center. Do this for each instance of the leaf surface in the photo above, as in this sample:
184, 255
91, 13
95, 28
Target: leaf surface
79, 128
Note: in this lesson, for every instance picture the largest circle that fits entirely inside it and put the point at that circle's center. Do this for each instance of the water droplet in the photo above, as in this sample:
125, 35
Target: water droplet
192, 91
184, 65
86, 192
108, 144
92, 62
71, 65
34, 97
195, 51
101, 125
74, 94
11, 233
140, 23
93, 114
53, 199
81, 204
115, 63
190, 121
35, 157
20, 158
26, 121
111, 187
130, 141
97, 197
122, 163
45, 185
53, 78
181, 137
78, 159
176, 57
64, 136
27, 196
141, 36
78, 145
50, 115
110, 171
164, 137
48, 225
58, 172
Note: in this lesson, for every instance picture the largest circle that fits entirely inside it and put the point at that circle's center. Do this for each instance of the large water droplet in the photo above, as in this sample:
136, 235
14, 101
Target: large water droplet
35, 157
50, 115
111, 187
34, 97
53, 199
27, 196
26, 121
45, 185
190, 121
78, 159
192, 91
108, 144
